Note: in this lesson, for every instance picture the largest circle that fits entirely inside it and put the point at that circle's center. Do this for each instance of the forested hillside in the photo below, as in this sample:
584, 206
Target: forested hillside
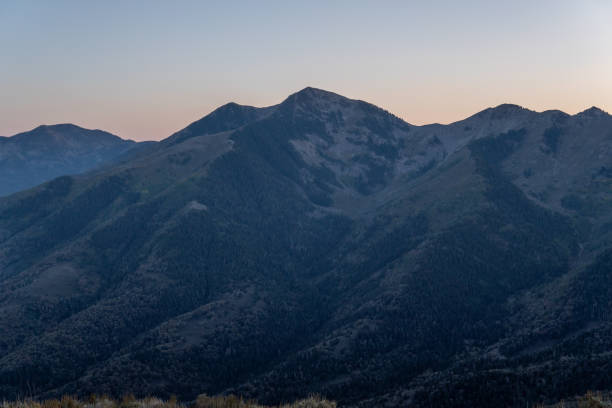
321, 245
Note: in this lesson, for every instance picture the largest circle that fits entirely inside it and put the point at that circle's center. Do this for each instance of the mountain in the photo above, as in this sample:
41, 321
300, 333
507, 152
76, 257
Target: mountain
321, 245
31, 158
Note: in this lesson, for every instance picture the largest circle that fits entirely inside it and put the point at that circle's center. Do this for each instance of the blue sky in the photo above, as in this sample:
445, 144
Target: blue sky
144, 69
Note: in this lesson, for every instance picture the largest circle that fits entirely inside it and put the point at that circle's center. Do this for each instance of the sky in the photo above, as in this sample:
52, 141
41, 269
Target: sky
145, 69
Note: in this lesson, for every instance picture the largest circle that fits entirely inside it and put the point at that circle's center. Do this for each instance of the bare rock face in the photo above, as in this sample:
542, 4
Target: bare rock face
321, 245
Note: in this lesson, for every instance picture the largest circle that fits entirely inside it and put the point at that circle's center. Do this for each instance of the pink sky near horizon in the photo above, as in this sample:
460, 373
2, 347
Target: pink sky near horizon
143, 70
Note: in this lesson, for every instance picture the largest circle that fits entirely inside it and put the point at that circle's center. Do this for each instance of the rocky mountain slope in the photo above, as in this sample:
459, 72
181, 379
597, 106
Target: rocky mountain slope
321, 245
31, 158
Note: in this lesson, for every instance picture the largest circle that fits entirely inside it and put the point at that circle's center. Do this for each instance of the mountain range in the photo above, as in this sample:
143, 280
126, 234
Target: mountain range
42, 154
322, 245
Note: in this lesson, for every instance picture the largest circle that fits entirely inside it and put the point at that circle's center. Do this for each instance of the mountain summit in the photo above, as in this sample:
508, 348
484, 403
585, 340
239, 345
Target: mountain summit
593, 111
49, 151
321, 245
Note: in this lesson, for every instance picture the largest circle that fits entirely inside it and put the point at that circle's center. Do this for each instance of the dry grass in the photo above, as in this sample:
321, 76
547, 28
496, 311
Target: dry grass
231, 401
129, 401
589, 400
594, 400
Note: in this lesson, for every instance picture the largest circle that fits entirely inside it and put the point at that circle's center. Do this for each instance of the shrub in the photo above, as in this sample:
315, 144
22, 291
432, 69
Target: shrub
129, 401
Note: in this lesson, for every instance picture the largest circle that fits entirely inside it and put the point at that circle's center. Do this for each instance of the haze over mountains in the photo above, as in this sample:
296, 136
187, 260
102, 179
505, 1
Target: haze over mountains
321, 245
30, 158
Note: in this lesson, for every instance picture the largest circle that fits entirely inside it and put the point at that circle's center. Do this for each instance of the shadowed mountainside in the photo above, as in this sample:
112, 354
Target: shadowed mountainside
42, 154
321, 245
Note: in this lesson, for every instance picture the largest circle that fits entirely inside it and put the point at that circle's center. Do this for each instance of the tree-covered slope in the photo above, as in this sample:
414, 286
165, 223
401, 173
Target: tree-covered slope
319, 245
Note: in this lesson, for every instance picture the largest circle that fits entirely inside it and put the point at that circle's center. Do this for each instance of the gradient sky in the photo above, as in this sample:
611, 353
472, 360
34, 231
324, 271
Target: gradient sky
144, 69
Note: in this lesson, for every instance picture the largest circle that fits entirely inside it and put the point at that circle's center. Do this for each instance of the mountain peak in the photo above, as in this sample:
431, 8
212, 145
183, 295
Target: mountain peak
226, 117
312, 91
593, 111
509, 108
505, 110
310, 94
64, 131
59, 126
49, 151
231, 106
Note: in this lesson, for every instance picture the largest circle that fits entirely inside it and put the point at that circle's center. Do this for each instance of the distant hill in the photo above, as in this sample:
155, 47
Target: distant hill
321, 245
30, 158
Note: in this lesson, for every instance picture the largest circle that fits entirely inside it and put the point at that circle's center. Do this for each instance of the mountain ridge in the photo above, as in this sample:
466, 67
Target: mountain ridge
48, 151
320, 246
